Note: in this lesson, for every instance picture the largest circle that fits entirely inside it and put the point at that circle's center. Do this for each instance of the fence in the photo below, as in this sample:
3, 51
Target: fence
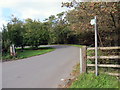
84, 57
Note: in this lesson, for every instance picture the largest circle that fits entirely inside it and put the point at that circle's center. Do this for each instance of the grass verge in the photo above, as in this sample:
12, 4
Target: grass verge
27, 52
92, 81
76, 45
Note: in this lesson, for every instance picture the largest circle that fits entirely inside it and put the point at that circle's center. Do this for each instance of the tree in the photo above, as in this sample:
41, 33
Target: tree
15, 31
50, 24
5, 40
108, 16
36, 33
59, 31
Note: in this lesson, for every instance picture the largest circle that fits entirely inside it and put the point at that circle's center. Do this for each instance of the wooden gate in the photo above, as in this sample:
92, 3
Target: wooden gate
84, 57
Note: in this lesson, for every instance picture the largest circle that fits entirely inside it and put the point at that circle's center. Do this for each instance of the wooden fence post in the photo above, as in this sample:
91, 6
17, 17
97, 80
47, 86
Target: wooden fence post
83, 59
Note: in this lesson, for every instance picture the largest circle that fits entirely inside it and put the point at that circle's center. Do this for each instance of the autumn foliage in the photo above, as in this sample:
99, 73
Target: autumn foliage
108, 20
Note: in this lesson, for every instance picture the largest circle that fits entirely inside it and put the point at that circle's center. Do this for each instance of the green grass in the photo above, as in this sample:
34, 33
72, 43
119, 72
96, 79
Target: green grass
92, 81
103, 80
77, 45
70, 45
27, 52
100, 53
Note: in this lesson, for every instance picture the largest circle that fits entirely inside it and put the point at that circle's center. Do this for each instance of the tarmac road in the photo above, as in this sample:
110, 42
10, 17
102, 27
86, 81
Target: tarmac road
43, 71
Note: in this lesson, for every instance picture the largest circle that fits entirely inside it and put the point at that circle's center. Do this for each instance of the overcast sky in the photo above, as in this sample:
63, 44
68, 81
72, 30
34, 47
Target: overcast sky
35, 9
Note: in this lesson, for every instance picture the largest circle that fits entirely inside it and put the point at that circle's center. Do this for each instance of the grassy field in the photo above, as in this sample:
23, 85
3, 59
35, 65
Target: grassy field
27, 52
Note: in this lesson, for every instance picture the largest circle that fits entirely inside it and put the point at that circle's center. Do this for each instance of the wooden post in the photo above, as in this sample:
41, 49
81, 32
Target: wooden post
11, 51
83, 59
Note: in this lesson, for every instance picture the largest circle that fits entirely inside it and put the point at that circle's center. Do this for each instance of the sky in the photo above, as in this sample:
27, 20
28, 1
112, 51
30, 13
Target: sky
35, 9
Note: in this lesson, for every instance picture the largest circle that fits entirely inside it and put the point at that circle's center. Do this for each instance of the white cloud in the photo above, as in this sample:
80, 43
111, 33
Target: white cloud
2, 21
35, 9
31, 8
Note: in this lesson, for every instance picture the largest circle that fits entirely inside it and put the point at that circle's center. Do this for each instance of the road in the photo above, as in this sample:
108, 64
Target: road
43, 71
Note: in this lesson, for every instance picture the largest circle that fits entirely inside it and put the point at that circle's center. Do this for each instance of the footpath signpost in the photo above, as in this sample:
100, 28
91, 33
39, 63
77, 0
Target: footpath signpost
94, 22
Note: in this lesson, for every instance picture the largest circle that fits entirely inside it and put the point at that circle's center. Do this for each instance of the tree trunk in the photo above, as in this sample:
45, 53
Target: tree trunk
22, 48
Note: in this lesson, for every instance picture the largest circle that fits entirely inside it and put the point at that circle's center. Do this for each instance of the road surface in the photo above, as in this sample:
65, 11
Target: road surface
43, 71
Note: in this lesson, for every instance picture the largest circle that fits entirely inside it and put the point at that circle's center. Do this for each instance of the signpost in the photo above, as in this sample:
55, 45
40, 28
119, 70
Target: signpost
94, 22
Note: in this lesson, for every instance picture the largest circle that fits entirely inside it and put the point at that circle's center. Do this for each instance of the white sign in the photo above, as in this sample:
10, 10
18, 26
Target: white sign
92, 22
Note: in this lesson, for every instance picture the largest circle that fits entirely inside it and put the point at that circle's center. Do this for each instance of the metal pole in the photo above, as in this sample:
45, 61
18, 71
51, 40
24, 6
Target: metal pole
96, 57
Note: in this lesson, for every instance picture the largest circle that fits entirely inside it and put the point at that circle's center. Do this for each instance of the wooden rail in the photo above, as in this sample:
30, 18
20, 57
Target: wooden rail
104, 48
113, 74
105, 65
104, 57
84, 57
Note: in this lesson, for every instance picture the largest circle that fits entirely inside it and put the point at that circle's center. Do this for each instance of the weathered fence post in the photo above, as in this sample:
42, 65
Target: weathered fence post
83, 59
12, 50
